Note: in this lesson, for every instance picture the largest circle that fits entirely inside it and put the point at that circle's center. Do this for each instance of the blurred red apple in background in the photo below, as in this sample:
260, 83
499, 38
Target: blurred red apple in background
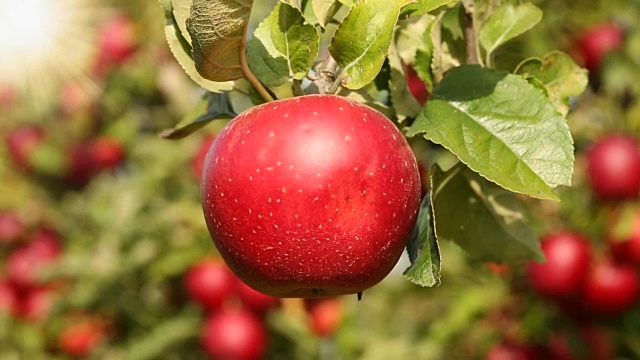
597, 42
611, 288
613, 165
234, 334
210, 283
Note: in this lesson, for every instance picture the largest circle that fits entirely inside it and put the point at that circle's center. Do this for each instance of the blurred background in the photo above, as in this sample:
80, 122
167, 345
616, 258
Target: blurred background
104, 253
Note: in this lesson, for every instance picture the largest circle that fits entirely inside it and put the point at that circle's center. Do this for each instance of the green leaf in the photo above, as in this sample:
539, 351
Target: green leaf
181, 12
404, 104
218, 29
423, 249
324, 10
361, 41
561, 76
502, 127
423, 7
213, 106
484, 219
163, 336
181, 50
507, 22
283, 47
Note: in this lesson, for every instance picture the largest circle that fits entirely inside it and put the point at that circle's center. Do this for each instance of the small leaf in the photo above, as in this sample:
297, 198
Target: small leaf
507, 22
423, 249
181, 50
561, 76
283, 47
502, 127
217, 29
423, 7
361, 41
213, 106
484, 219
324, 10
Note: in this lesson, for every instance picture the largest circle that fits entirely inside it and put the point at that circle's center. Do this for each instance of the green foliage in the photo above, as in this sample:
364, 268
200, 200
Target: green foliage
502, 127
423, 249
217, 30
485, 220
283, 47
361, 42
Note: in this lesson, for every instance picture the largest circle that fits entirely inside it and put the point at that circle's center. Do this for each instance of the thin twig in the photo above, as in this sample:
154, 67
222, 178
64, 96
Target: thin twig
470, 35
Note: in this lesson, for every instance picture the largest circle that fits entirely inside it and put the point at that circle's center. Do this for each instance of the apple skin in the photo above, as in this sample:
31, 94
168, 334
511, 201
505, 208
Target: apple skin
82, 337
417, 87
106, 153
117, 42
611, 289
234, 334
592, 342
325, 315
8, 299
197, 164
21, 142
210, 283
310, 196
25, 263
254, 300
625, 245
513, 351
36, 304
12, 229
613, 165
567, 263
597, 42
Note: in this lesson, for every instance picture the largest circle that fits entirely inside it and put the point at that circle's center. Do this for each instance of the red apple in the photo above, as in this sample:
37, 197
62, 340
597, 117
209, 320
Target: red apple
81, 337
79, 168
234, 334
310, 196
21, 142
611, 288
567, 263
106, 153
254, 300
417, 87
210, 283
11, 227
513, 351
197, 164
8, 298
623, 235
25, 263
588, 343
597, 42
325, 315
613, 165
36, 304
117, 42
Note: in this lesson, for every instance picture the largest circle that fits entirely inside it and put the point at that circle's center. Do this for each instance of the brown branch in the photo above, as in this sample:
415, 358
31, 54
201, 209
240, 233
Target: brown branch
470, 35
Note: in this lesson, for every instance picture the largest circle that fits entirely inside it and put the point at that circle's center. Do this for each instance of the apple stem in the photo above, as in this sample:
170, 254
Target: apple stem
360, 295
327, 80
248, 74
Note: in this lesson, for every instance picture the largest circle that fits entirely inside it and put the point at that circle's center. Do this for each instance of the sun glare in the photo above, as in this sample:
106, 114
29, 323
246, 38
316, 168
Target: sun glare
44, 43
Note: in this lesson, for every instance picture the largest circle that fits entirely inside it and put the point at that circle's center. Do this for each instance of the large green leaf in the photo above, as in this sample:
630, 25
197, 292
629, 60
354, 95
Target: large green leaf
181, 49
560, 75
423, 249
361, 41
502, 127
283, 47
484, 219
181, 12
507, 22
218, 29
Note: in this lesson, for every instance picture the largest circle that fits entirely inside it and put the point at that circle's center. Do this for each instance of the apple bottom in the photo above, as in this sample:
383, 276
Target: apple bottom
323, 274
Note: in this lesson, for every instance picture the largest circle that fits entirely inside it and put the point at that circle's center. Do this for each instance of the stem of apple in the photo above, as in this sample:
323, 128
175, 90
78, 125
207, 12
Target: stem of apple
248, 74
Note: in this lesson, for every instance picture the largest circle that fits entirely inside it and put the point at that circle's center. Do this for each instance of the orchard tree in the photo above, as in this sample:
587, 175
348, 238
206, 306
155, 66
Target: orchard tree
505, 126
